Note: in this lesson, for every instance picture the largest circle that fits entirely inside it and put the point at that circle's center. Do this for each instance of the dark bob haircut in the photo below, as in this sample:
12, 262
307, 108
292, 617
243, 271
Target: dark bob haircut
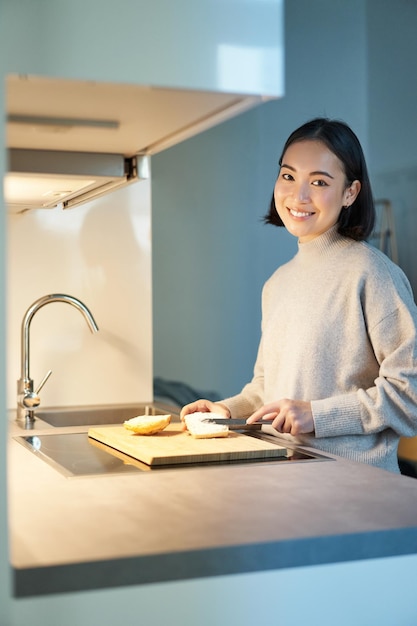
356, 221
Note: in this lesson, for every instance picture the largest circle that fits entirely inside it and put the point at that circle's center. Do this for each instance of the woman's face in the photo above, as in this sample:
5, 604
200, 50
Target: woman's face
311, 189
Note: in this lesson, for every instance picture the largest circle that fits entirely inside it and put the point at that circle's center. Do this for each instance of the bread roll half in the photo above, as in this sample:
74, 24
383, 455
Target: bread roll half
147, 424
201, 429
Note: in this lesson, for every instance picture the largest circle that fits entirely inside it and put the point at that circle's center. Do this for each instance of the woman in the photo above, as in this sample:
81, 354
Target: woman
336, 366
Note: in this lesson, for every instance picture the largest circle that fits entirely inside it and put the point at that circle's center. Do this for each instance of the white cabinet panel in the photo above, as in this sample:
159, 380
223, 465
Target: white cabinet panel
219, 45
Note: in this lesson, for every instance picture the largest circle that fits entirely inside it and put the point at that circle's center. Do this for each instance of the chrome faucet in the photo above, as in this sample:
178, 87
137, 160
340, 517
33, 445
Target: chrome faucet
27, 398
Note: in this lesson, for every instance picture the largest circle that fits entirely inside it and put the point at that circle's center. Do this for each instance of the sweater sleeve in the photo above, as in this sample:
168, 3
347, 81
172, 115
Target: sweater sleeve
392, 401
251, 397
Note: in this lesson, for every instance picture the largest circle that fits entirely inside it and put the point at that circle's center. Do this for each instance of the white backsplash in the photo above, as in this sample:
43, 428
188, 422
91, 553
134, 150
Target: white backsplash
100, 253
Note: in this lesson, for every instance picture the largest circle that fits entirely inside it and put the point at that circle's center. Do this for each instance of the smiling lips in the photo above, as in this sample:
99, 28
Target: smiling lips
295, 213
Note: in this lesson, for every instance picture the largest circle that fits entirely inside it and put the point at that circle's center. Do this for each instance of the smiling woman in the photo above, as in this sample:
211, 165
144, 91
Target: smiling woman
343, 160
336, 364
309, 200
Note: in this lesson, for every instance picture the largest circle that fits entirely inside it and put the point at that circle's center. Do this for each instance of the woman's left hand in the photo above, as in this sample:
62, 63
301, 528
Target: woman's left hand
287, 416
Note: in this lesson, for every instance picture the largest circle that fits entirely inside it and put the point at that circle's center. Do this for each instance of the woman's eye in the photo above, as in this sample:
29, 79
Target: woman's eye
320, 183
286, 176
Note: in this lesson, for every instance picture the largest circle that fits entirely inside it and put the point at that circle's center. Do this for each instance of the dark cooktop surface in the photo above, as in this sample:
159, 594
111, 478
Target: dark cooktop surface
78, 455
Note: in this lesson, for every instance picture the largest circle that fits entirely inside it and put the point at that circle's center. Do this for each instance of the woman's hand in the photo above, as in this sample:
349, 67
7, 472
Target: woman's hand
204, 406
287, 416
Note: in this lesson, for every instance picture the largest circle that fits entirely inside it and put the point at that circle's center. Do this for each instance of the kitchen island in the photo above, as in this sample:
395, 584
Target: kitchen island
134, 528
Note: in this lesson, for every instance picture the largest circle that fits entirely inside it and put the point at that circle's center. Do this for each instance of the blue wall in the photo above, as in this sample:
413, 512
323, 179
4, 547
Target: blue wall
392, 60
211, 253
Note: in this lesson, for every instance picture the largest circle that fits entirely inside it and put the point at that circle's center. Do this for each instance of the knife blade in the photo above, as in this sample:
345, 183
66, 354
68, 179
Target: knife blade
234, 423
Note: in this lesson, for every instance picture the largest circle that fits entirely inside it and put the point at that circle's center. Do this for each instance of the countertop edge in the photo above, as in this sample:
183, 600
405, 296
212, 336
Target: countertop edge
221, 561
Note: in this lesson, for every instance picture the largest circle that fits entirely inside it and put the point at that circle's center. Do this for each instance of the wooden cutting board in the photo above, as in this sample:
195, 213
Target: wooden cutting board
174, 446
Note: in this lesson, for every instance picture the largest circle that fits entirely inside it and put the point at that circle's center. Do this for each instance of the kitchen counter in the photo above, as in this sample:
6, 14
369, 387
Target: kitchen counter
82, 533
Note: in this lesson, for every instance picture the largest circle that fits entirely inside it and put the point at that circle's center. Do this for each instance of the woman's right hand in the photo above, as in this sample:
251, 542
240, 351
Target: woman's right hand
204, 406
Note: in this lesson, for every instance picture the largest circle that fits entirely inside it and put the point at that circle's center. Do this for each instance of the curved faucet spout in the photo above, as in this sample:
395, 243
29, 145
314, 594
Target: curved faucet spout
38, 304
28, 399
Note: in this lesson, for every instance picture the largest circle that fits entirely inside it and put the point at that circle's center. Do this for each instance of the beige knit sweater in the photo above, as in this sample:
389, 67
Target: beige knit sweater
339, 329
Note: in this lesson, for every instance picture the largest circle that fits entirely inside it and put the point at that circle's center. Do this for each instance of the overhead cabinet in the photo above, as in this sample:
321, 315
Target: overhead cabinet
132, 79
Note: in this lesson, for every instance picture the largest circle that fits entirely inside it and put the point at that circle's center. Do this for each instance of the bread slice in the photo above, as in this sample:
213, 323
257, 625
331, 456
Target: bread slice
147, 424
200, 429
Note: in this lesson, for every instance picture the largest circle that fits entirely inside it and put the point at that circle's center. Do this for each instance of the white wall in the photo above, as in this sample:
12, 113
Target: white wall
211, 253
100, 253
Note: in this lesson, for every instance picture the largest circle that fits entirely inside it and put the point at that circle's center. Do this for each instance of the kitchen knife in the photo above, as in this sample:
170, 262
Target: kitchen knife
234, 423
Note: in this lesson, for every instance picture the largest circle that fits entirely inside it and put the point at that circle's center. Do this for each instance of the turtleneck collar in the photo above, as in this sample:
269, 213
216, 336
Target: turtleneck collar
323, 244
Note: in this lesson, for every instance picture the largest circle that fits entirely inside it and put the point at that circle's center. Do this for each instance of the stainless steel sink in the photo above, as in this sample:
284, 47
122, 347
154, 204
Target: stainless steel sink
93, 415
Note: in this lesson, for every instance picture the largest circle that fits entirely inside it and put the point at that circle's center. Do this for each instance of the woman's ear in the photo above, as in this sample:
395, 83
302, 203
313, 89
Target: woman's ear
351, 193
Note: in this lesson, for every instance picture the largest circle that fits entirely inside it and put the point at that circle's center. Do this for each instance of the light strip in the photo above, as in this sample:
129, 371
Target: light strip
38, 120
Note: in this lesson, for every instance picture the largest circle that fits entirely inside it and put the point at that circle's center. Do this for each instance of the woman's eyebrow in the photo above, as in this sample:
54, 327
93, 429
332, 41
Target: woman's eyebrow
315, 173
321, 173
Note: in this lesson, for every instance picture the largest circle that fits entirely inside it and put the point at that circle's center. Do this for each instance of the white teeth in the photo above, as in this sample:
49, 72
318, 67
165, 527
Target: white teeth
299, 213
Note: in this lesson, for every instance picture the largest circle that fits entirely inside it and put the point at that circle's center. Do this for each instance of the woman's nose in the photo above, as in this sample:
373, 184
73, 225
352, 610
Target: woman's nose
303, 192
